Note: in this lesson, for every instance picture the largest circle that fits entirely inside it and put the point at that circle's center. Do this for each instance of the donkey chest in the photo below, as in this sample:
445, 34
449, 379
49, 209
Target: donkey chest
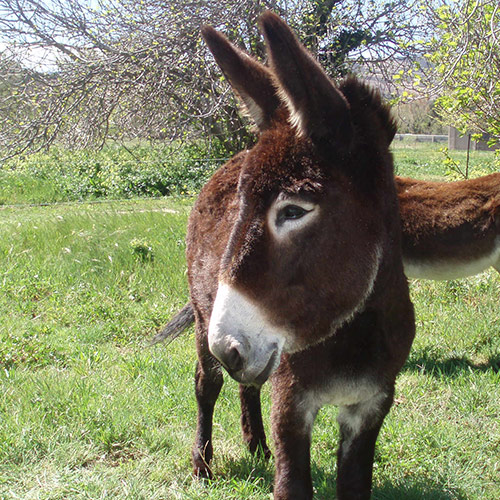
343, 391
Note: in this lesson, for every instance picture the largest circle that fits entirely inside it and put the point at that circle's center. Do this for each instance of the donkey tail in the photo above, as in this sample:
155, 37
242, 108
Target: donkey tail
179, 323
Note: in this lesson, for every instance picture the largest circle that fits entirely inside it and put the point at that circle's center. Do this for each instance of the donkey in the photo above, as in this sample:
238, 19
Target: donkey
295, 267
450, 229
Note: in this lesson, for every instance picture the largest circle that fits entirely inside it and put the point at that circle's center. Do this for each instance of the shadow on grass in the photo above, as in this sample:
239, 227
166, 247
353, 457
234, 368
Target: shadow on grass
252, 470
250, 467
410, 489
451, 367
415, 490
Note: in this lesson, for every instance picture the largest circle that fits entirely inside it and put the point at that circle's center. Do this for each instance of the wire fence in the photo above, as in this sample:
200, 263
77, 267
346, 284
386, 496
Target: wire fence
421, 137
101, 201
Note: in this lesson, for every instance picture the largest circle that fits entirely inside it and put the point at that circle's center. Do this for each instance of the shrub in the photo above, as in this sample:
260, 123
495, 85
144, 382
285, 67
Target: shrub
117, 172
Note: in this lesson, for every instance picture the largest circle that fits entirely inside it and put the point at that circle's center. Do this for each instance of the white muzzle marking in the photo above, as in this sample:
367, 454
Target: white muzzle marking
242, 339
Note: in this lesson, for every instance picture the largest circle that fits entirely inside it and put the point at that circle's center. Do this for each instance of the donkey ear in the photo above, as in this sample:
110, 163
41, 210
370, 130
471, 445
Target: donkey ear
317, 108
251, 81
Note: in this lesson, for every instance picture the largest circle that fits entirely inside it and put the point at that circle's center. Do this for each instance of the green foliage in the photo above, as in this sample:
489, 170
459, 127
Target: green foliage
465, 53
453, 168
142, 250
460, 167
114, 172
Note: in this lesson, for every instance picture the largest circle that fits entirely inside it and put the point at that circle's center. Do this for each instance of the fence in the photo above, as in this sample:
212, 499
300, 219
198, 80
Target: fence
421, 137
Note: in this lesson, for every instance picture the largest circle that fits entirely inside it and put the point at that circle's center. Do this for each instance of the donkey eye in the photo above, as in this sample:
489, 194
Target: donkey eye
291, 212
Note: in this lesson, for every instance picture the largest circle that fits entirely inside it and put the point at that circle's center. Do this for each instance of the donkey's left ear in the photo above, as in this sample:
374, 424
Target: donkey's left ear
317, 108
252, 82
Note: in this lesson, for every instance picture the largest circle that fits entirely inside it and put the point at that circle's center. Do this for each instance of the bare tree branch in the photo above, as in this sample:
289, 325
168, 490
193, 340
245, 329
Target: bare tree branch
127, 69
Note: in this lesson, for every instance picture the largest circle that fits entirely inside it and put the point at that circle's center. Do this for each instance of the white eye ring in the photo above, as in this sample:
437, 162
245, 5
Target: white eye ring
289, 214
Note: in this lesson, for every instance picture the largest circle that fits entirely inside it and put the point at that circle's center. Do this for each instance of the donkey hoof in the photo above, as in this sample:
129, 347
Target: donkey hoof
263, 452
200, 463
202, 471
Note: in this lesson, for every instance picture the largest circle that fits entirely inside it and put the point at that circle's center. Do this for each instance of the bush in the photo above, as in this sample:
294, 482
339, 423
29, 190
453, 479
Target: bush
114, 172
418, 117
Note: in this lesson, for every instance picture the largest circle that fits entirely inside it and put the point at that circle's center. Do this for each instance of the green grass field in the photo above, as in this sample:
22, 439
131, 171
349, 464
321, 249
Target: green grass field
89, 411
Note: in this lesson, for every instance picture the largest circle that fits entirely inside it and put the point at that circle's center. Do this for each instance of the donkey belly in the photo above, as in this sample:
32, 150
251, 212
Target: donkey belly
451, 268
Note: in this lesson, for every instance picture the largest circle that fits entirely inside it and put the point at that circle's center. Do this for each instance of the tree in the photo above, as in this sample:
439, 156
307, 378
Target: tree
464, 69
120, 70
125, 69
352, 35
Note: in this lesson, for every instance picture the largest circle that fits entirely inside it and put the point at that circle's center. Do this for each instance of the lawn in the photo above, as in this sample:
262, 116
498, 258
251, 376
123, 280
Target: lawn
88, 410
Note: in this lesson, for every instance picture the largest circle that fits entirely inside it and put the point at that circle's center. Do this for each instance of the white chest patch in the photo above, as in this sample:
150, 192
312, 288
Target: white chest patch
345, 392
451, 269
341, 392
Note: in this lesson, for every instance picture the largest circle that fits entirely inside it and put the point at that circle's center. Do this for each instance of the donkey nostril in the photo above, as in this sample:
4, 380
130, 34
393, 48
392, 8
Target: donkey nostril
234, 361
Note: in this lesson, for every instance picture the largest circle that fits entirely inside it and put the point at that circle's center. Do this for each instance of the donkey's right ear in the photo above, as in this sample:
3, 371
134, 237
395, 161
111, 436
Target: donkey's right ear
251, 81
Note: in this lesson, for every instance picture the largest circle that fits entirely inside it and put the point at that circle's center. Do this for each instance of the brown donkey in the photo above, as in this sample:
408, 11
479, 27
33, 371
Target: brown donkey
450, 229
295, 267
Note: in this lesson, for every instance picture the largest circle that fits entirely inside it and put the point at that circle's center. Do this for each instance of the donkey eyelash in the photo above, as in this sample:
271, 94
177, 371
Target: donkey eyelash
284, 201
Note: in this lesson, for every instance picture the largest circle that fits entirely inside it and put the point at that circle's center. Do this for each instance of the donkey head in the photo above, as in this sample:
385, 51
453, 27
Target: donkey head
305, 250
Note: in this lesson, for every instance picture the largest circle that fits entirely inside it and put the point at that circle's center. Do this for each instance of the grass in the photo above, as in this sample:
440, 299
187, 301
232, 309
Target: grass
89, 411
435, 162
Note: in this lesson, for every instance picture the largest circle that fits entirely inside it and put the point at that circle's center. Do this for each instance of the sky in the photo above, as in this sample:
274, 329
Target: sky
36, 58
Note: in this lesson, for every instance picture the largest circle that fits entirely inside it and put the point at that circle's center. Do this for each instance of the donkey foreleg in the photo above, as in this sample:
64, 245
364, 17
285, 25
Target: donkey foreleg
208, 383
359, 427
252, 426
292, 424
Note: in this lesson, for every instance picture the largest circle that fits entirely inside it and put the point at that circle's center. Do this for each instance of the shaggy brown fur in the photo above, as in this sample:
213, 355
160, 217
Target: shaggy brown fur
457, 221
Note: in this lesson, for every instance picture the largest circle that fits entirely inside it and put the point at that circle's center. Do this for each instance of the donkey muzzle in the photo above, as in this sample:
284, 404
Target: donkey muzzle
242, 339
